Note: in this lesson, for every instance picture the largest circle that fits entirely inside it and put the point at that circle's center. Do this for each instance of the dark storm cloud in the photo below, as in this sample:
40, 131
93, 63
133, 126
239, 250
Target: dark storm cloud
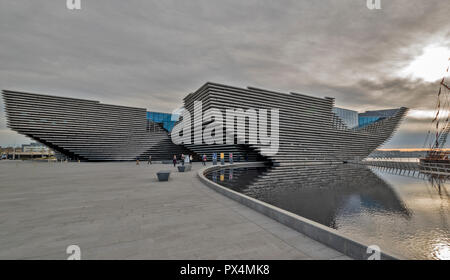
387, 92
152, 53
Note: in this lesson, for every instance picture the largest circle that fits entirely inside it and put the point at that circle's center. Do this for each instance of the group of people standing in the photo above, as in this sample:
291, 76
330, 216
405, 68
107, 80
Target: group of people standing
187, 159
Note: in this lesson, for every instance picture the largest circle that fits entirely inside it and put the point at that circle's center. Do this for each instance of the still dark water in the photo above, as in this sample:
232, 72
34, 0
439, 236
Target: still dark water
405, 215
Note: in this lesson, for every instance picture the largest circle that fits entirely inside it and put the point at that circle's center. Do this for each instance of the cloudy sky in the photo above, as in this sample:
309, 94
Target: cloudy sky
152, 53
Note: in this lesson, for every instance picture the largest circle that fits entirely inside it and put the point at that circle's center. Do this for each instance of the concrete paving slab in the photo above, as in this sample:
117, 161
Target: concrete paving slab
121, 211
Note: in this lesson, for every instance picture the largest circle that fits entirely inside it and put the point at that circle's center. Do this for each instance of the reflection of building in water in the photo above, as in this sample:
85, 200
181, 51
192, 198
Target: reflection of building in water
407, 214
320, 193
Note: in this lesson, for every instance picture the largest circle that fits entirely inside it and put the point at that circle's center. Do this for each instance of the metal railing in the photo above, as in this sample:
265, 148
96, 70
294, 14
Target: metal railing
440, 168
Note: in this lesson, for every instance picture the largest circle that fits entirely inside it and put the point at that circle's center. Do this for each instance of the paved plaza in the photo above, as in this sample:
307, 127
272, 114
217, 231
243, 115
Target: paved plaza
120, 211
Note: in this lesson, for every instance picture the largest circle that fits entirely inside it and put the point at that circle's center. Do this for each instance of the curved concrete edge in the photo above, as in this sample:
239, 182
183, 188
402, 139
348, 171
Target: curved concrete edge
328, 236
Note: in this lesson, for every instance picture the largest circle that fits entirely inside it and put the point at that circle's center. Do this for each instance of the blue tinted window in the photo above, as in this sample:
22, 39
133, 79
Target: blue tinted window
363, 121
164, 118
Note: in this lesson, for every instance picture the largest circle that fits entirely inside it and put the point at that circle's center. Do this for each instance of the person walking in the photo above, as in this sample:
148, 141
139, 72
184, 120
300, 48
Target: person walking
174, 160
149, 159
204, 160
182, 159
191, 158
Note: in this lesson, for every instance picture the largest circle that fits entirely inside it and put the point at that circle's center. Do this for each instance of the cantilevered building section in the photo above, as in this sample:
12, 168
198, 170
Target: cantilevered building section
309, 130
88, 130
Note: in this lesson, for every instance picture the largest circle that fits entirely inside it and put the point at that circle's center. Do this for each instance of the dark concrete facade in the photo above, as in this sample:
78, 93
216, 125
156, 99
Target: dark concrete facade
88, 130
309, 131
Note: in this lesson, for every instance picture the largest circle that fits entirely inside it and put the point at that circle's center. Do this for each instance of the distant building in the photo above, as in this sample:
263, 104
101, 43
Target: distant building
35, 148
10, 150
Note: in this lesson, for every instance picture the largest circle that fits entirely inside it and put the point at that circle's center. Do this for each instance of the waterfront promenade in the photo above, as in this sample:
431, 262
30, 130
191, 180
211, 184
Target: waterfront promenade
120, 211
